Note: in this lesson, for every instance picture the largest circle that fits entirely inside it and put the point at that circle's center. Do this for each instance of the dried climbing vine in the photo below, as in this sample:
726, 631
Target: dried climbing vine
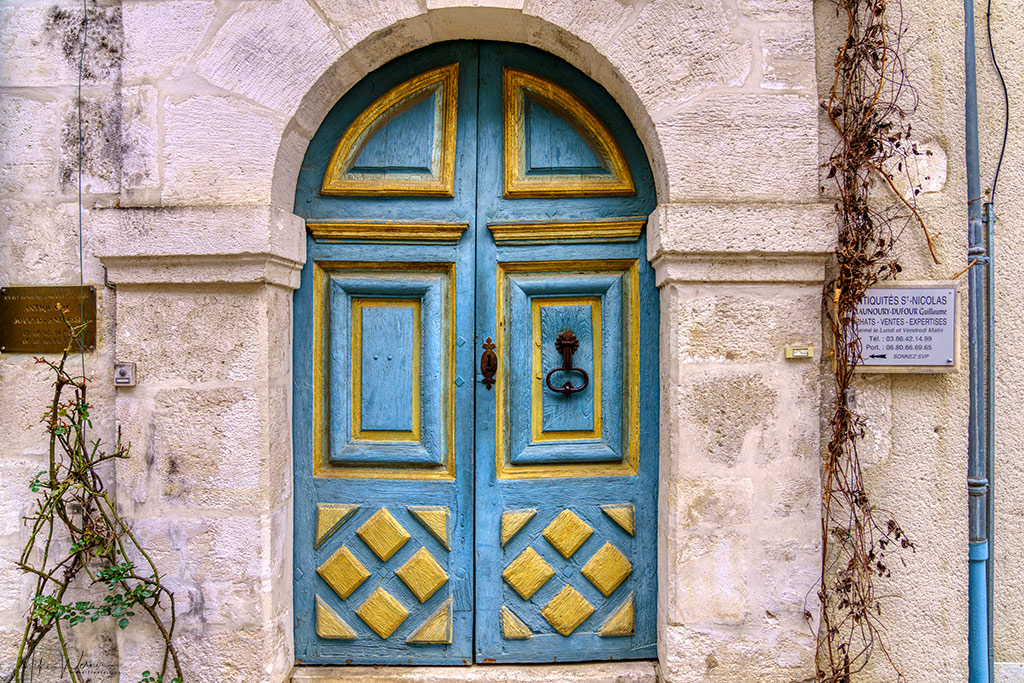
78, 541
868, 106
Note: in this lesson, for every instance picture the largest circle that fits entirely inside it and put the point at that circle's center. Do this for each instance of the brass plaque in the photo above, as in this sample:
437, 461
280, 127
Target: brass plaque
30, 321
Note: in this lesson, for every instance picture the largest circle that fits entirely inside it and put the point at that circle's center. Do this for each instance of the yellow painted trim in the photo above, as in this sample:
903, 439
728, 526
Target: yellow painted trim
554, 232
321, 466
537, 432
515, 83
631, 372
356, 399
338, 182
387, 231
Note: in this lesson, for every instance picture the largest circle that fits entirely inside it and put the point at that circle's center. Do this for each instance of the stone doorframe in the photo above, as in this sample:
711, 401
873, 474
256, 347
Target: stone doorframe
205, 252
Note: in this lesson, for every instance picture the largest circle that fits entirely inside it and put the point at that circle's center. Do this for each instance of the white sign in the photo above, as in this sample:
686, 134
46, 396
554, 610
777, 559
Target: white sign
912, 324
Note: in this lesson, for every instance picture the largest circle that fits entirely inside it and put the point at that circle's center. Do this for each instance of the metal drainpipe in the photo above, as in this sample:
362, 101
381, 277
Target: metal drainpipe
977, 460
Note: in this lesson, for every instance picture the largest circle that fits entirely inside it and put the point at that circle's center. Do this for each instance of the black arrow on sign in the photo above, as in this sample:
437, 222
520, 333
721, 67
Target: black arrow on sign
877, 355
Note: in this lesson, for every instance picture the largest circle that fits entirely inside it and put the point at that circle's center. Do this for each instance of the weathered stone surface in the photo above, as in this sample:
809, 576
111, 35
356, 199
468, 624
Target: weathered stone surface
41, 44
97, 155
605, 672
676, 50
787, 58
777, 10
713, 324
140, 142
161, 37
270, 52
356, 21
178, 335
728, 414
596, 22
218, 150
28, 127
743, 147
29, 258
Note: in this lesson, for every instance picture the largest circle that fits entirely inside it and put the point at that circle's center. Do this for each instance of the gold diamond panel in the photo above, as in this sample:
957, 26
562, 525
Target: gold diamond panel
329, 519
567, 610
607, 569
527, 573
382, 612
437, 629
513, 521
343, 572
329, 625
422, 574
383, 534
512, 627
567, 533
622, 621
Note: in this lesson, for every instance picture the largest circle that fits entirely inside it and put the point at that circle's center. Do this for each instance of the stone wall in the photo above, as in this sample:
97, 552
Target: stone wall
197, 114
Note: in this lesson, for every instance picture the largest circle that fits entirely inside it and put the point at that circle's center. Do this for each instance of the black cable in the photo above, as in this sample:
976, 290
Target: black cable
1006, 98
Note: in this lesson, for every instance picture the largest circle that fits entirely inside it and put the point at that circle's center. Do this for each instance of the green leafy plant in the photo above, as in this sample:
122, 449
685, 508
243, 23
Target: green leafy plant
73, 509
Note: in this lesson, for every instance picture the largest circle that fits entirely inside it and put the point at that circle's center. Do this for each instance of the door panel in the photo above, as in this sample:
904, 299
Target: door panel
383, 367
463, 192
566, 484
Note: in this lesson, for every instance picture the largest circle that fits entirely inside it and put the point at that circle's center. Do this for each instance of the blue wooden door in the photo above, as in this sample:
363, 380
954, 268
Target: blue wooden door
452, 505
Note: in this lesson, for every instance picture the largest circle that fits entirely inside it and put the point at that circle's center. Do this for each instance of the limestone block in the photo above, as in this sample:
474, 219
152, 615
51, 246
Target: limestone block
712, 324
726, 416
443, 4
712, 582
161, 37
676, 50
716, 655
270, 53
736, 147
40, 45
202, 450
140, 141
596, 22
600, 672
16, 498
28, 128
218, 150
787, 56
99, 156
711, 502
762, 228
355, 21
15, 586
38, 242
777, 10
222, 231
193, 336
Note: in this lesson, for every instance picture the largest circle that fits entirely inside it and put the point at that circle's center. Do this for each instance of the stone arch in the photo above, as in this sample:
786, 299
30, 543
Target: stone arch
469, 22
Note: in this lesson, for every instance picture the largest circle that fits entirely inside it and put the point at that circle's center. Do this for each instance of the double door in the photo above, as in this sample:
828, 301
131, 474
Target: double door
475, 370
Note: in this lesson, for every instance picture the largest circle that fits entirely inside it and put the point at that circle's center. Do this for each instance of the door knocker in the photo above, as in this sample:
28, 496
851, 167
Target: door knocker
566, 344
488, 363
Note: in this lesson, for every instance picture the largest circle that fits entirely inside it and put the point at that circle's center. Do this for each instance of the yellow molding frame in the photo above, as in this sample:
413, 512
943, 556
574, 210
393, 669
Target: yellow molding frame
441, 183
356, 398
537, 384
515, 84
629, 465
552, 232
321, 466
387, 231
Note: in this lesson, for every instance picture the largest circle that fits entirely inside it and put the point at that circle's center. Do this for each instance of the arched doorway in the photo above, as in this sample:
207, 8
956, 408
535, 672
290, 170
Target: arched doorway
475, 223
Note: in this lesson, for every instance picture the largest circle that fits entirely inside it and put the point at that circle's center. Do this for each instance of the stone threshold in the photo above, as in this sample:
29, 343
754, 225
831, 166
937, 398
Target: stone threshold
601, 672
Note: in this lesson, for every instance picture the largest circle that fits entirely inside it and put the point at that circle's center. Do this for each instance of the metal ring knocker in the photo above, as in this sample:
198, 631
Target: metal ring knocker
566, 344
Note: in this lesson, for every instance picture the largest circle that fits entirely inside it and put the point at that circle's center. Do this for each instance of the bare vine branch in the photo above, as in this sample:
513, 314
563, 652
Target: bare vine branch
865, 106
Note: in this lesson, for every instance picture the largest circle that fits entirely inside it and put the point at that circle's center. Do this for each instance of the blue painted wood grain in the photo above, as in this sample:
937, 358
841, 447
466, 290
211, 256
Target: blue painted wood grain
401, 145
476, 498
582, 495
567, 412
344, 285
553, 146
386, 375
